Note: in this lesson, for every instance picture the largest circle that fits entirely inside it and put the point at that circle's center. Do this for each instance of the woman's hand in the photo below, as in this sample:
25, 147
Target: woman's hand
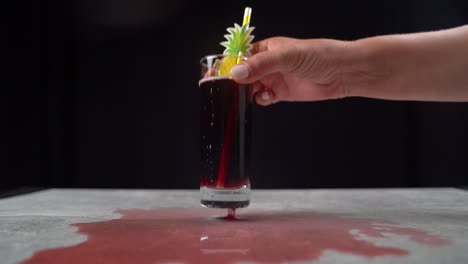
431, 66
286, 69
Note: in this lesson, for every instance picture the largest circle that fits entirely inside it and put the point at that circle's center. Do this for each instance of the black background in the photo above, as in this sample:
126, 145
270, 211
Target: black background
103, 93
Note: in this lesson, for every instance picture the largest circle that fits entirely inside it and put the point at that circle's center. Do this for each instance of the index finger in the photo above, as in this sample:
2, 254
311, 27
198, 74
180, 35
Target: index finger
259, 46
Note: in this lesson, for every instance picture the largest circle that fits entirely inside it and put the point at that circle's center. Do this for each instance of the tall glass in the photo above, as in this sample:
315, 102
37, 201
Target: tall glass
225, 120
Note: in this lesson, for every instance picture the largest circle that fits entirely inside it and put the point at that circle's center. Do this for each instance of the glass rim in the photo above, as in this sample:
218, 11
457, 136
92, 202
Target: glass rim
205, 58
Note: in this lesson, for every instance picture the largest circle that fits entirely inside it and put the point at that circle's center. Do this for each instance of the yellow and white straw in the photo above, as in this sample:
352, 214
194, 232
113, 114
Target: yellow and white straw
247, 14
245, 22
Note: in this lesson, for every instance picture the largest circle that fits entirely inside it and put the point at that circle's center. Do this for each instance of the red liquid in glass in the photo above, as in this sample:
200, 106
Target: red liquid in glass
225, 133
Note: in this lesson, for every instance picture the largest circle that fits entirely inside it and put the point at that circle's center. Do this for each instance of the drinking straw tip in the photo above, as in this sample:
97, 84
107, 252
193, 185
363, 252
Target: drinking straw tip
247, 15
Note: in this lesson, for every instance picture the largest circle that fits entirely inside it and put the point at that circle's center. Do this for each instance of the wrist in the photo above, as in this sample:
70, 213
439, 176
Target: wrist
370, 67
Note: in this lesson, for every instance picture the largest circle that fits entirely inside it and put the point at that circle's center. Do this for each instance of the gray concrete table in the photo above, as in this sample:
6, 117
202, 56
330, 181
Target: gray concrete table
280, 226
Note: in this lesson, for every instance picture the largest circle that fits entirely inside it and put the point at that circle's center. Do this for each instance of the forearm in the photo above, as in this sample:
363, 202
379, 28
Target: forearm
430, 66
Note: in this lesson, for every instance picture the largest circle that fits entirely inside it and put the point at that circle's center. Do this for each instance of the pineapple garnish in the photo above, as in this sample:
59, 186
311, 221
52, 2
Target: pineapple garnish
238, 44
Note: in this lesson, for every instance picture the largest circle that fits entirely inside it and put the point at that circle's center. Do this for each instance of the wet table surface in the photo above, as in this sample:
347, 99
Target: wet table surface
280, 226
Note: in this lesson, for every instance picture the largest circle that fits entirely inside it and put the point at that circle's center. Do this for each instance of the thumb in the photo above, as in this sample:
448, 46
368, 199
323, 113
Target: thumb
258, 66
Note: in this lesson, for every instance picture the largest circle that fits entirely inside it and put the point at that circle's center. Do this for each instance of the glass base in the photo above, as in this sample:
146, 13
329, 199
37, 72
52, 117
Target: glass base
225, 197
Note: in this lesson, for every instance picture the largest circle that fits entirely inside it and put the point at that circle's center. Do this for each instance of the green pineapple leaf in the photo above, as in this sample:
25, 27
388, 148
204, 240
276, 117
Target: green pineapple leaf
238, 40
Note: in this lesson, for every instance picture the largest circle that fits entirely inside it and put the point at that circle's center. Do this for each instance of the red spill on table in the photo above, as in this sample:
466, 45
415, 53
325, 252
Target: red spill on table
201, 236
